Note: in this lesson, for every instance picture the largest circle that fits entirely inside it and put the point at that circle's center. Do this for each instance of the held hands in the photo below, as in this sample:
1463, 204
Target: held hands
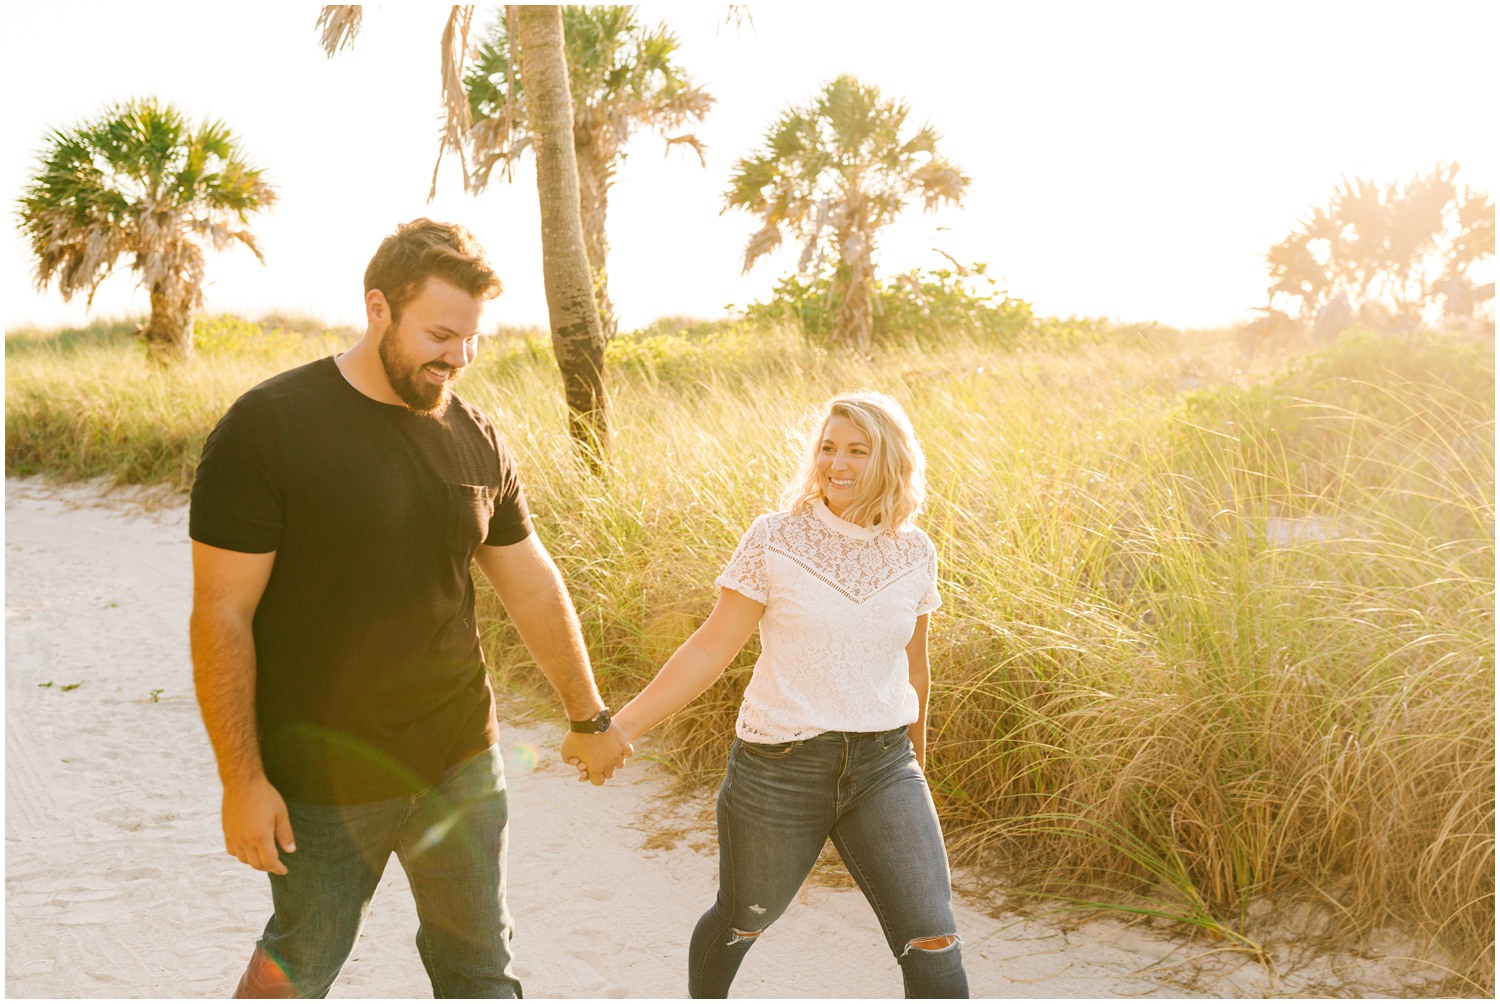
255, 823
596, 756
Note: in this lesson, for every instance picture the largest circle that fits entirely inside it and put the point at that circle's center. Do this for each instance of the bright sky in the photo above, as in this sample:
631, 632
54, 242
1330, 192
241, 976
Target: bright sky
1131, 160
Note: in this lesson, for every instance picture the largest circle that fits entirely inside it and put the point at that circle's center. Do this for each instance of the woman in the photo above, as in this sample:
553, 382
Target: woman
832, 731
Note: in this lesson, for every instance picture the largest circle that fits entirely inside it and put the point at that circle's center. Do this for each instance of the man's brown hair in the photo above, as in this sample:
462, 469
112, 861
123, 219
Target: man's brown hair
426, 248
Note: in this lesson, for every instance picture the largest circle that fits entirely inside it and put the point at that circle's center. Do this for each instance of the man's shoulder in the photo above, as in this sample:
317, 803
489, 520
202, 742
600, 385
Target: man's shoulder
296, 383
467, 410
462, 412
298, 398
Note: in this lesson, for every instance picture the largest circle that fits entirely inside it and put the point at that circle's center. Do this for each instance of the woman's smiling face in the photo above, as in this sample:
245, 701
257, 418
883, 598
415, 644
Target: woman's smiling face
842, 457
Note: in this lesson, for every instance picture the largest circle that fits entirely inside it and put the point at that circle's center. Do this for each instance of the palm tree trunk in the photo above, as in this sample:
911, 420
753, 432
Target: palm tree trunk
593, 208
577, 339
853, 318
169, 330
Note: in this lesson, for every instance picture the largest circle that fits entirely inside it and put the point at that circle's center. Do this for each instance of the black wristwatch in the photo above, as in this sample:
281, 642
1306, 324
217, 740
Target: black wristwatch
594, 726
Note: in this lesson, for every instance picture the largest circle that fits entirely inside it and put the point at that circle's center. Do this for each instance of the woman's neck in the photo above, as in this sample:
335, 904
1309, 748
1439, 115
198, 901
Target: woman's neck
839, 512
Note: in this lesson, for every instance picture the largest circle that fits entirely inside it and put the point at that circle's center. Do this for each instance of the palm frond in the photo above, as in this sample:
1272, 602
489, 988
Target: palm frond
491, 82
220, 236
621, 77
456, 118
671, 106
925, 141
687, 139
940, 181
739, 15
492, 145
765, 240
338, 24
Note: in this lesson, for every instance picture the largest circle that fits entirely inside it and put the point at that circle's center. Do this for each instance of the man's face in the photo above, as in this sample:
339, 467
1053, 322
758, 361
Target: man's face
427, 349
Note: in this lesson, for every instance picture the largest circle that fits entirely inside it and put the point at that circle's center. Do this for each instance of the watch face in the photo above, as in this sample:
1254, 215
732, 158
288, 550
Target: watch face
598, 724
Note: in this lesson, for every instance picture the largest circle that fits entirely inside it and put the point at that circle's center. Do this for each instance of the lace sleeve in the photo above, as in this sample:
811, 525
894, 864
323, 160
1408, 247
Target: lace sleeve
930, 600
746, 571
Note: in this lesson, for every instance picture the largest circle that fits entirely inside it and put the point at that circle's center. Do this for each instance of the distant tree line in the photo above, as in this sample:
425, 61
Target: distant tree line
1394, 257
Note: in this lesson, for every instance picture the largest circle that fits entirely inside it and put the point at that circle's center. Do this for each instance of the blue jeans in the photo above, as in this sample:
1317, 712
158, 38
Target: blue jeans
450, 838
780, 802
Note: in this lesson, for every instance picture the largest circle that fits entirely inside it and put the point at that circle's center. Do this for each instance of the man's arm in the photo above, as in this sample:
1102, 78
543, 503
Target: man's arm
532, 591
227, 587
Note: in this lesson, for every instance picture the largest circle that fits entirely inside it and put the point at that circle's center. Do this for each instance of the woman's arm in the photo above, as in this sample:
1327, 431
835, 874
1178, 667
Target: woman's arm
700, 661
921, 682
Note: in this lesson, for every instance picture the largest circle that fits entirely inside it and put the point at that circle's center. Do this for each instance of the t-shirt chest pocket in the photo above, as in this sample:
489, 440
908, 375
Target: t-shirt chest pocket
468, 512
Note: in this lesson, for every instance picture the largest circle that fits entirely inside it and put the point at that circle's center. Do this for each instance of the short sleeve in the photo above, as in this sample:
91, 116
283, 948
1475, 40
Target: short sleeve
237, 498
511, 522
930, 600
746, 572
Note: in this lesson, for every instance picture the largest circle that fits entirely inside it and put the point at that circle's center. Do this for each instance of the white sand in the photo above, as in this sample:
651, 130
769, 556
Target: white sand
117, 884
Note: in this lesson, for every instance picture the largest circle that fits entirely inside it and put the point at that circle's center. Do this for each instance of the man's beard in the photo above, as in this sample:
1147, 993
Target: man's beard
408, 380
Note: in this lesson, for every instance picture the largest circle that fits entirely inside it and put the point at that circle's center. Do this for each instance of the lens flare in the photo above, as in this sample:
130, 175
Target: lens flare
435, 834
265, 977
521, 758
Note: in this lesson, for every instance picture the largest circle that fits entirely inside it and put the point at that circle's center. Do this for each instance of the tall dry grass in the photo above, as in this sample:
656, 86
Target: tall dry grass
1212, 638
84, 403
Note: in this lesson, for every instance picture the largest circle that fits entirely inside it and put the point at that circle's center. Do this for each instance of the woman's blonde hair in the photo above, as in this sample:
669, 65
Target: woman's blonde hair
894, 482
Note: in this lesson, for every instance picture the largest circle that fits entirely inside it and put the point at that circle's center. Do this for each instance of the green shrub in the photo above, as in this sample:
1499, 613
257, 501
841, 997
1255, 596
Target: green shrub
916, 308
20, 342
1407, 418
232, 337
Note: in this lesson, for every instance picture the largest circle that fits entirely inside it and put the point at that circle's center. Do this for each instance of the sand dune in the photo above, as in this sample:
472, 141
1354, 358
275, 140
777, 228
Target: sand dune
117, 885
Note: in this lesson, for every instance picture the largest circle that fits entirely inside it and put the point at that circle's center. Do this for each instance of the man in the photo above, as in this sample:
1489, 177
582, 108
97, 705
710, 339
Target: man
336, 655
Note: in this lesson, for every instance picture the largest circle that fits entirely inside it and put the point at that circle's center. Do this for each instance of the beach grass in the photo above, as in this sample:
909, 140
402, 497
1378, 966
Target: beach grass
1217, 633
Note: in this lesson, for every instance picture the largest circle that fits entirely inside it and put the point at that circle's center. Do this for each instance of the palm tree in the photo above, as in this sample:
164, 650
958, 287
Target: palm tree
1394, 251
577, 340
1296, 271
141, 180
622, 76
831, 174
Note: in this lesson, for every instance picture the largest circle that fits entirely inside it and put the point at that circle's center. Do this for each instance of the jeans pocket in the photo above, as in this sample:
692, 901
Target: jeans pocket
895, 737
769, 751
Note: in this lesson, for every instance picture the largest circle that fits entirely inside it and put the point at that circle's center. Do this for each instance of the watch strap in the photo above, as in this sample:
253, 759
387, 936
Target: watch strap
596, 725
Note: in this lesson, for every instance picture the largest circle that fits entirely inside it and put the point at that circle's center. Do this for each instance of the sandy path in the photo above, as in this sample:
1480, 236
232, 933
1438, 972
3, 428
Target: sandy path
116, 883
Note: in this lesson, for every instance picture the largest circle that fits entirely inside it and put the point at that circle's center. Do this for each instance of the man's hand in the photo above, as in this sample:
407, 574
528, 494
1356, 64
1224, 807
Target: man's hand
596, 755
255, 822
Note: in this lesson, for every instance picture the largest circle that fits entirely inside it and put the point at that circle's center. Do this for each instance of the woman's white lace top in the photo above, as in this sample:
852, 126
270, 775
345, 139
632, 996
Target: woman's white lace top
841, 602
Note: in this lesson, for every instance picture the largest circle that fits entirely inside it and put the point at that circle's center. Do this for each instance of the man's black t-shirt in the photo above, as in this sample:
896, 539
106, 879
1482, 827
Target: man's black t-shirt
370, 681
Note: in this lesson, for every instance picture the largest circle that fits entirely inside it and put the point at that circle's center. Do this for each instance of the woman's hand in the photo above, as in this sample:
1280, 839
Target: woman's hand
597, 757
